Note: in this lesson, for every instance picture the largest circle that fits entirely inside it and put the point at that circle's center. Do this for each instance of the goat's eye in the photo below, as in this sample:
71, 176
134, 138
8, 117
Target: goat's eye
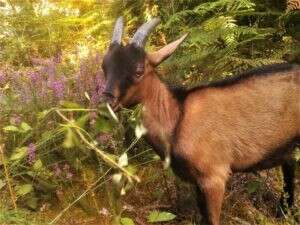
139, 71
138, 75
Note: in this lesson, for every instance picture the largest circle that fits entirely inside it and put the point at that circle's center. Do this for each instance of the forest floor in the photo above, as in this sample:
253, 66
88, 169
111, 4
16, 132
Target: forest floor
250, 199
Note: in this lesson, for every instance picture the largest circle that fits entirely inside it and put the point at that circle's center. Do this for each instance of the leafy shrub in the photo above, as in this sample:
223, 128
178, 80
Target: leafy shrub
51, 142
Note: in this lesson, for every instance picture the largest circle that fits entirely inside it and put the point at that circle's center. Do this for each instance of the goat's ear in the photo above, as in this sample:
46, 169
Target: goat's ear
159, 56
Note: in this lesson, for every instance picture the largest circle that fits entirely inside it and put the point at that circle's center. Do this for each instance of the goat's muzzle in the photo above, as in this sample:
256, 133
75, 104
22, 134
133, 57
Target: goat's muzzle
109, 98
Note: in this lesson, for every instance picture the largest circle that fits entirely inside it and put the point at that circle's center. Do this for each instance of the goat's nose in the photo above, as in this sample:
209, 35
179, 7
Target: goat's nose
108, 97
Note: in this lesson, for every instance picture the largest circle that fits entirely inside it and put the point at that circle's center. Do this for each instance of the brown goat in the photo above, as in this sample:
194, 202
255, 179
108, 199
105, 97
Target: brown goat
250, 122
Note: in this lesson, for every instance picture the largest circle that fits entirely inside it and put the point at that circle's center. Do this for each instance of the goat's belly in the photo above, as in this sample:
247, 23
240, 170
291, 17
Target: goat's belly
264, 164
275, 158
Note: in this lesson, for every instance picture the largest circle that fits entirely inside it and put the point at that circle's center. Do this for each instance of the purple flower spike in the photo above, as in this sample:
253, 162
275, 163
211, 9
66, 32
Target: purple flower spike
57, 58
50, 70
66, 167
100, 82
104, 138
98, 90
57, 170
2, 78
16, 120
34, 76
58, 88
31, 153
69, 175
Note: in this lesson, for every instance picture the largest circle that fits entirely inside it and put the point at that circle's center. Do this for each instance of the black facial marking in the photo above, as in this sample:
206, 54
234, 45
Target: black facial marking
121, 66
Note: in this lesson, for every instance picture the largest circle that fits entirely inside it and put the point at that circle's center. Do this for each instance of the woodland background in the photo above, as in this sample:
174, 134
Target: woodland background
66, 159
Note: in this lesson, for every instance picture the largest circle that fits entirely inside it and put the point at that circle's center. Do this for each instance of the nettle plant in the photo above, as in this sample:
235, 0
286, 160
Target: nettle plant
50, 144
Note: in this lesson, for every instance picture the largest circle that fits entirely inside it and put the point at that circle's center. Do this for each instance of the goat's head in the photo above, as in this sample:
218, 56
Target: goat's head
126, 68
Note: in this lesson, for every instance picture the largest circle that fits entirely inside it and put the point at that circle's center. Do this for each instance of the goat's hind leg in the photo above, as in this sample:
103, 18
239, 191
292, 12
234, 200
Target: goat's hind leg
211, 191
287, 197
202, 206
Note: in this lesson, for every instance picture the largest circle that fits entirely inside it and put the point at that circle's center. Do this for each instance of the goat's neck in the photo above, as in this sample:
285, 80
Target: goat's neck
161, 110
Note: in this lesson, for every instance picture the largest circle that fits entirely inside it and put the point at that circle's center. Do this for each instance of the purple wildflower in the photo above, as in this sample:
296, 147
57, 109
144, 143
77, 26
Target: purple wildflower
69, 175
57, 58
43, 93
83, 68
50, 70
58, 88
104, 138
66, 167
2, 78
104, 212
31, 153
98, 58
25, 94
93, 117
16, 120
99, 88
94, 99
67, 172
100, 82
34, 76
57, 170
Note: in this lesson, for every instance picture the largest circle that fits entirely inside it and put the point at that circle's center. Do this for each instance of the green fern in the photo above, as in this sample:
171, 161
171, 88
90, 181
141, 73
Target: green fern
226, 37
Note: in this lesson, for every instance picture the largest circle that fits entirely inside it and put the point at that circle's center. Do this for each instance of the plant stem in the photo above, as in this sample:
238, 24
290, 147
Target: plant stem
7, 177
93, 185
100, 152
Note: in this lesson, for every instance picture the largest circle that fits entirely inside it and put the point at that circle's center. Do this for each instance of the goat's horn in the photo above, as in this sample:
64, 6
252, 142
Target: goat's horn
118, 31
140, 37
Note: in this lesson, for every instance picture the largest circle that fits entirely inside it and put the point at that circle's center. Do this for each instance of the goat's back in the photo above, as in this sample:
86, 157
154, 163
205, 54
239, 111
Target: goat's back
242, 123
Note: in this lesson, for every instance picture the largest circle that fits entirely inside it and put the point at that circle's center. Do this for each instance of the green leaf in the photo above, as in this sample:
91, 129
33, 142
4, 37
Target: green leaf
82, 120
24, 189
69, 139
11, 128
103, 125
131, 169
117, 178
31, 202
123, 160
253, 186
2, 183
70, 105
19, 154
25, 127
127, 221
43, 114
38, 165
47, 134
140, 131
156, 216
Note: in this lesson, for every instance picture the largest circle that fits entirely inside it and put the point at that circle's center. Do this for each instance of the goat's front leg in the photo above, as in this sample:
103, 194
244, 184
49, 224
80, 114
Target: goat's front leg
211, 189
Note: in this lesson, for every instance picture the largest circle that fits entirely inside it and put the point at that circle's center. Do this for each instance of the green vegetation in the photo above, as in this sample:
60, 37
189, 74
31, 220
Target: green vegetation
65, 158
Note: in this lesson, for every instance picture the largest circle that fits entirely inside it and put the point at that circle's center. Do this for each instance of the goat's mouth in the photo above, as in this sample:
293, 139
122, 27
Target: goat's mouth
115, 105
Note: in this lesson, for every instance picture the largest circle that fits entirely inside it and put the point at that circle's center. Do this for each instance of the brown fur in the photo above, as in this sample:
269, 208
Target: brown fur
221, 130
245, 121
244, 125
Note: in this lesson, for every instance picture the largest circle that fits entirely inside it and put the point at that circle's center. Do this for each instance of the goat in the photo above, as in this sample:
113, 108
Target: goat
246, 123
